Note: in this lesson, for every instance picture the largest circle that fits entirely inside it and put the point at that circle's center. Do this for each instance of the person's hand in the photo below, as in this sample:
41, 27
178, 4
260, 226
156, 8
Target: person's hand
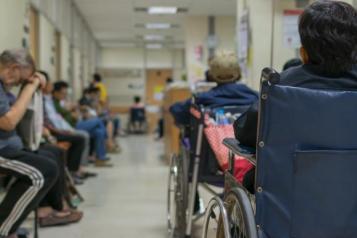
38, 79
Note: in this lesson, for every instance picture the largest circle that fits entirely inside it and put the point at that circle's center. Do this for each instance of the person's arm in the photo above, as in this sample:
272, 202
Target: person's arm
181, 112
245, 127
10, 119
67, 115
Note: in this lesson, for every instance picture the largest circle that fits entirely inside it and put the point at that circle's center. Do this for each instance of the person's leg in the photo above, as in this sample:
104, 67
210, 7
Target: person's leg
99, 137
161, 128
34, 178
56, 195
85, 154
75, 152
116, 123
249, 181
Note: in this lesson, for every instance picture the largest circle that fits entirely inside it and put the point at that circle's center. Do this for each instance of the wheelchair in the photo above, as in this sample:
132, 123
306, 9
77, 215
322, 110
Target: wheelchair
137, 121
195, 165
305, 168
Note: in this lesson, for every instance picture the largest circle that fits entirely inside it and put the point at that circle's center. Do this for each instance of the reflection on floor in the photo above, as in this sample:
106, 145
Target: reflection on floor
126, 201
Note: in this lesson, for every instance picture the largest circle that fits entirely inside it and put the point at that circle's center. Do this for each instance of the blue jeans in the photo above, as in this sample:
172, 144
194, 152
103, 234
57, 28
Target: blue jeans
97, 131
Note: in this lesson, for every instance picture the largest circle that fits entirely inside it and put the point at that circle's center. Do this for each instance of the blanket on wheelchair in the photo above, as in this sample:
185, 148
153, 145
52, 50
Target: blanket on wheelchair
215, 135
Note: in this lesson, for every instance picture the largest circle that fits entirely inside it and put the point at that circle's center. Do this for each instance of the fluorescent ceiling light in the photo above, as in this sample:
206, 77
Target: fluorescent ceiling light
162, 10
158, 26
153, 46
154, 37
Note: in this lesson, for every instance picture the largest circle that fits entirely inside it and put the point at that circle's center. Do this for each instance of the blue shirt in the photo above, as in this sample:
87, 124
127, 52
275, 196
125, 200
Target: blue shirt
230, 94
53, 116
8, 139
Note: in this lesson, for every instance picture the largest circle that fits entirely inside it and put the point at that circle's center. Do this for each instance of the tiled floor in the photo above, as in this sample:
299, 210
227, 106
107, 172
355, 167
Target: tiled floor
126, 201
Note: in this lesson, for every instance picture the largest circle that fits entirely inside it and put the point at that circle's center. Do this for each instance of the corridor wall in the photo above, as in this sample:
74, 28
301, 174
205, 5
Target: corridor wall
12, 21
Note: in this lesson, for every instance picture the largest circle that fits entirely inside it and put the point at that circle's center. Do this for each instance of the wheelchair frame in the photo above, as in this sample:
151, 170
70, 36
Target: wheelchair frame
181, 189
242, 198
185, 192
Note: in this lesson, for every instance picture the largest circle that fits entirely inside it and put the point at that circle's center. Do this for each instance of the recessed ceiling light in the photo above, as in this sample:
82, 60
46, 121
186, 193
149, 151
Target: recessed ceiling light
162, 10
154, 46
158, 26
154, 37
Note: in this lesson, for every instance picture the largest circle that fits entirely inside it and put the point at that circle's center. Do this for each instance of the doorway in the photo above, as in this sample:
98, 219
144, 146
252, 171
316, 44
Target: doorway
155, 86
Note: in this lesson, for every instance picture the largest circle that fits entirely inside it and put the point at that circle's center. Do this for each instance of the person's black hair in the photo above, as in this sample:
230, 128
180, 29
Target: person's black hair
137, 99
292, 63
328, 32
58, 86
169, 80
45, 74
97, 77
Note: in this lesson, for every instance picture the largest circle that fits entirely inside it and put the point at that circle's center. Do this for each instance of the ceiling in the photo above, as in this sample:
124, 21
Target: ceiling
116, 23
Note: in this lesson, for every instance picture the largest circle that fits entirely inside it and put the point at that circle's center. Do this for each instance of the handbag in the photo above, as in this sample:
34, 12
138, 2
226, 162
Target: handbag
30, 127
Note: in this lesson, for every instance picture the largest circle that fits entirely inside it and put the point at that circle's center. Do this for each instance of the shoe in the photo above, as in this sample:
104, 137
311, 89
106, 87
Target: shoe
102, 164
77, 180
86, 175
53, 220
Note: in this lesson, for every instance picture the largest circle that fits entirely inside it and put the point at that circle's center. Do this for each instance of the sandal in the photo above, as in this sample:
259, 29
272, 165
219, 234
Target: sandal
53, 220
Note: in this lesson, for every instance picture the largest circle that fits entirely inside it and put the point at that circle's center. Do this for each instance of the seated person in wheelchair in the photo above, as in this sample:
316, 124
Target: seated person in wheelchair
137, 115
329, 54
225, 71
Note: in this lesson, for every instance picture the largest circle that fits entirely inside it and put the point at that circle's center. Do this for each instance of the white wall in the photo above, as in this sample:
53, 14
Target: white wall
261, 25
65, 59
47, 46
225, 31
136, 59
196, 35
12, 20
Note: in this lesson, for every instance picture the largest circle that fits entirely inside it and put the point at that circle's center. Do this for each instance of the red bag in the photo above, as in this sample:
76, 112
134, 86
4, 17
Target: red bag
215, 136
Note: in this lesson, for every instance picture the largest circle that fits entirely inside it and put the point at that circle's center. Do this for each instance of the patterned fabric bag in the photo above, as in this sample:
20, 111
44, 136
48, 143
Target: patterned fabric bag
215, 136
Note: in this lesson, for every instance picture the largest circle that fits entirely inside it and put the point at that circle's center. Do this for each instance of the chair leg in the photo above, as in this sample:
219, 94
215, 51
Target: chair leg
36, 225
72, 186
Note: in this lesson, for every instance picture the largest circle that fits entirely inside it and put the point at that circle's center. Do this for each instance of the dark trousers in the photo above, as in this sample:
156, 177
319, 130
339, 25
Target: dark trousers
35, 176
55, 197
75, 151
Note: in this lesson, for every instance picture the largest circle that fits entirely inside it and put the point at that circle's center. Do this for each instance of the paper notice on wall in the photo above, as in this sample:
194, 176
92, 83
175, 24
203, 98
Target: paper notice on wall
291, 37
243, 36
159, 93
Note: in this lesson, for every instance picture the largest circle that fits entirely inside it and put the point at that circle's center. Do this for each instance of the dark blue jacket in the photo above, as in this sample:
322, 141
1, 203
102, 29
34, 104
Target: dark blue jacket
230, 94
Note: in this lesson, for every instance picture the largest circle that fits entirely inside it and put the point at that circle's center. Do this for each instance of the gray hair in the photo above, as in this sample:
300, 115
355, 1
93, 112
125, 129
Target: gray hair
17, 56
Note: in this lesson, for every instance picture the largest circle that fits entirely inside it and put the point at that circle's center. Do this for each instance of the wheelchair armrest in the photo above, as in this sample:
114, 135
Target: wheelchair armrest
247, 152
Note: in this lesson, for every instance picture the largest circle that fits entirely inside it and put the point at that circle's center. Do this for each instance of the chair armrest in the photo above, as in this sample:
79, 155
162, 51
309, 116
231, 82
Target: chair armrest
247, 152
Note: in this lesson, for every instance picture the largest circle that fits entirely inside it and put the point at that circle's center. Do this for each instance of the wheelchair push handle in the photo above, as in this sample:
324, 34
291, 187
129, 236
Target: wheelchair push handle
271, 76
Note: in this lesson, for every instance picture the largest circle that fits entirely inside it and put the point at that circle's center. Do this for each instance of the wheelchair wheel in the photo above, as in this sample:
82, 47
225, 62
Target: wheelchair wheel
175, 200
216, 220
240, 216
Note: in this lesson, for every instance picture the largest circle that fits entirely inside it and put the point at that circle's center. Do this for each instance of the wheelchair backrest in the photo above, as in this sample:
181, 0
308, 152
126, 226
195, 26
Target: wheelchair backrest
137, 114
306, 163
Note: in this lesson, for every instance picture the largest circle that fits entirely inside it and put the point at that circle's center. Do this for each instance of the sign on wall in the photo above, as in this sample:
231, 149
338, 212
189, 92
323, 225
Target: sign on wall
243, 42
291, 37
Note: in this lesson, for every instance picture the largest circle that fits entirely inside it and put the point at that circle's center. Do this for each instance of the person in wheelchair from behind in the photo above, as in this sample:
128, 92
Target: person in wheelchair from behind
225, 71
328, 32
137, 115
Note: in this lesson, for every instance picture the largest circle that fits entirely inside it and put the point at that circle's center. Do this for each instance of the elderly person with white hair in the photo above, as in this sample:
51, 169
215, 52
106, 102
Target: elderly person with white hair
35, 175
225, 71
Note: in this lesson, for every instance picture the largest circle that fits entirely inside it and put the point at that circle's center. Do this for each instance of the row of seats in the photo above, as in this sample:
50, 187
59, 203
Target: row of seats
47, 143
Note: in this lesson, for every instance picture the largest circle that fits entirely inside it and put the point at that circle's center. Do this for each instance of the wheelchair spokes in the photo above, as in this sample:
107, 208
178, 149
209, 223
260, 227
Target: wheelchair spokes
236, 220
175, 200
